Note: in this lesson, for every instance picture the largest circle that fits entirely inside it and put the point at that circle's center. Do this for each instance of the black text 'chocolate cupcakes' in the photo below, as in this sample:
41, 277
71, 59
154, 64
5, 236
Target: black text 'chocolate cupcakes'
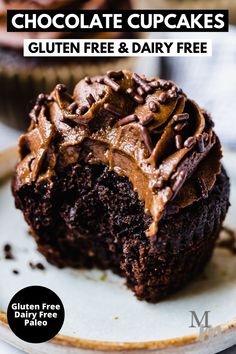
124, 174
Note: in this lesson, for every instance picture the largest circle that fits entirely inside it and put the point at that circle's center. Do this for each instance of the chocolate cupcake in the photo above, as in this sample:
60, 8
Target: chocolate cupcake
22, 79
123, 175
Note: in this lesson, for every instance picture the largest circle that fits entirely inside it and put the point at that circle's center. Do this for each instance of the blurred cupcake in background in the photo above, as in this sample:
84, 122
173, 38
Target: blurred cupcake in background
22, 79
188, 4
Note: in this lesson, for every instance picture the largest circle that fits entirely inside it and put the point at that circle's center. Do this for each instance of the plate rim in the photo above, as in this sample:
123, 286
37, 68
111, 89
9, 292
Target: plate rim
82, 343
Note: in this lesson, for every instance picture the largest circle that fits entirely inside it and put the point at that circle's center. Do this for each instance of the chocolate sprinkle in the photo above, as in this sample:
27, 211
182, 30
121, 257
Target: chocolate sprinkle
72, 107
140, 91
141, 82
200, 143
115, 74
181, 117
102, 94
41, 99
126, 120
155, 84
37, 109
99, 79
81, 110
205, 137
180, 126
15, 271
146, 119
146, 138
61, 88
159, 184
152, 106
163, 98
178, 141
179, 181
165, 84
113, 109
108, 81
190, 142
87, 79
136, 97
90, 99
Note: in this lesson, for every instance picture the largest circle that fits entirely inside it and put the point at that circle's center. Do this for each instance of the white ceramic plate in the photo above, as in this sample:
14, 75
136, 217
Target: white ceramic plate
102, 314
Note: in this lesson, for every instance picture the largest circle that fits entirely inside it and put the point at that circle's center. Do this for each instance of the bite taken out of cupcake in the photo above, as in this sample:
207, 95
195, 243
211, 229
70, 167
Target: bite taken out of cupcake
124, 174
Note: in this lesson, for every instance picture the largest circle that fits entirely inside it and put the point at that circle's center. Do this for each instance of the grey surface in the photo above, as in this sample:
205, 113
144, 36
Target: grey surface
231, 350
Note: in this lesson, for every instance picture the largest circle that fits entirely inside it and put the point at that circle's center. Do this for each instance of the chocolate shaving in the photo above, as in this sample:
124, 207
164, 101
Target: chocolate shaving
126, 120
108, 81
146, 138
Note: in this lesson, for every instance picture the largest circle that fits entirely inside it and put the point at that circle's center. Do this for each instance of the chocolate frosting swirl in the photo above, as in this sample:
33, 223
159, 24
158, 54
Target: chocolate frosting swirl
147, 130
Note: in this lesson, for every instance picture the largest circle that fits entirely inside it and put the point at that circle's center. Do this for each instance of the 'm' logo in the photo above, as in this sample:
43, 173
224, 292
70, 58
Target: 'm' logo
203, 322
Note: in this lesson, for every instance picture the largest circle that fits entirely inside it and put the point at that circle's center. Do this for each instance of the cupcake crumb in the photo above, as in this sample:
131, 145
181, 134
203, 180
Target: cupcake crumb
7, 249
38, 265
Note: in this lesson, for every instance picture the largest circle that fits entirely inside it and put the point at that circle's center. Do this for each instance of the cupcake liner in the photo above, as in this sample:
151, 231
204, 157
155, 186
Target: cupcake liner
20, 87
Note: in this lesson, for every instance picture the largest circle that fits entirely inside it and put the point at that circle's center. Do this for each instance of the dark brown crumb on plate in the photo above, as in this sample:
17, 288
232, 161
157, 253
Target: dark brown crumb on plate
7, 249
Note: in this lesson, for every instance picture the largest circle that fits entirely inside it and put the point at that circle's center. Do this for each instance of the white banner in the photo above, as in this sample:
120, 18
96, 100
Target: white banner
116, 47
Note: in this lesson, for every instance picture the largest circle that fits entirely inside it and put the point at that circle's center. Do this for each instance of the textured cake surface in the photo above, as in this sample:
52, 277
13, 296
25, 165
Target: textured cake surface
110, 175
